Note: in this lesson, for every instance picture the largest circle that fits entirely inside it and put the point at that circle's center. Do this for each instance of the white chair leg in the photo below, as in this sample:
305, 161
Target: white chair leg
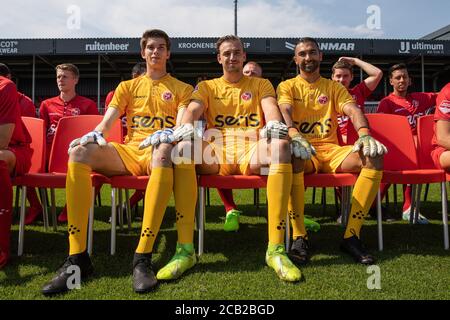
113, 221
412, 213
22, 221
120, 210
91, 223
52, 197
43, 193
201, 220
379, 222
444, 214
128, 208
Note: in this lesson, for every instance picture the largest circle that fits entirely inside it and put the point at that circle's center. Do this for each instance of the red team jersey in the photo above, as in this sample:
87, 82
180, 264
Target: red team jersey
10, 113
442, 110
359, 93
26, 105
412, 106
53, 109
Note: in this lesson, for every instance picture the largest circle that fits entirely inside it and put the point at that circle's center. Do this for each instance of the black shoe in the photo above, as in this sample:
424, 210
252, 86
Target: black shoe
59, 283
354, 247
144, 279
299, 251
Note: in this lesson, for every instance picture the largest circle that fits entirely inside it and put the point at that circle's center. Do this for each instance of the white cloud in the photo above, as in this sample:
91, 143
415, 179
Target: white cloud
284, 18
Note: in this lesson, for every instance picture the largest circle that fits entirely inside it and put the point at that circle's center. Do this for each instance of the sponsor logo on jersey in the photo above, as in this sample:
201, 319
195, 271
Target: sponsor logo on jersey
140, 97
250, 120
445, 106
246, 96
167, 96
415, 103
75, 111
323, 127
322, 99
152, 122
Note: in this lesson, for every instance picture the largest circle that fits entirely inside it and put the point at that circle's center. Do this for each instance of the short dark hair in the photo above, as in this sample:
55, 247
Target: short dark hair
154, 33
4, 70
398, 66
68, 67
139, 69
342, 65
226, 38
306, 40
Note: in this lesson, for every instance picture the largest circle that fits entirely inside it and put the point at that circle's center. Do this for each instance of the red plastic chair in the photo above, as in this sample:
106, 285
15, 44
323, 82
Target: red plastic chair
36, 128
69, 128
117, 184
257, 182
425, 130
401, 165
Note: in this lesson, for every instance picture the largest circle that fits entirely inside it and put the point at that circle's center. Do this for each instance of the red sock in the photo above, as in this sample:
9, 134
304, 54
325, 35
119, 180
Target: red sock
384, 187
407, 190
6, 199
33, 199
227, 198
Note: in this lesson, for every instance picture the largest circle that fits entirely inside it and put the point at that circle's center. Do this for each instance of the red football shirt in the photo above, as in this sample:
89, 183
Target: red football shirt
359, 93
26, 106
412, 106
442, 109
10, 113
53, 109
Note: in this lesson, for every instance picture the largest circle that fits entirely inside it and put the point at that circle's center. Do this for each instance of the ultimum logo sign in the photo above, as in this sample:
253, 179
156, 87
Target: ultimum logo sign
111, 46
407, 46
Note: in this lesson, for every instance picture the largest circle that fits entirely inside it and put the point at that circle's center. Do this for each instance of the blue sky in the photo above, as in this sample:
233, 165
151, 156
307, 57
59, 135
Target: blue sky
278, 18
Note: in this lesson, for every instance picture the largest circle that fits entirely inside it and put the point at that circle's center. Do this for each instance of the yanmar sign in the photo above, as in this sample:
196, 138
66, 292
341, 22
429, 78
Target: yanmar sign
333, 46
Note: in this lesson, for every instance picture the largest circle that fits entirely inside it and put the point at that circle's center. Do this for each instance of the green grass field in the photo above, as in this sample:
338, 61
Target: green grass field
413, 265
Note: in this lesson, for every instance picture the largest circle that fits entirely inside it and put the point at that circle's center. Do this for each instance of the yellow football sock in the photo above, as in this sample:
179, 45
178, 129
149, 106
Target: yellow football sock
279, 185
157, 195
364, 192
185, 192
79, 199
296, 206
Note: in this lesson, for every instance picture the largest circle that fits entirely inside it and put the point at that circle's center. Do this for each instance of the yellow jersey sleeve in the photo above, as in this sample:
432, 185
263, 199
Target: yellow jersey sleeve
185, 96
266, 89
341, 97
201, 93
121, 98
284, 93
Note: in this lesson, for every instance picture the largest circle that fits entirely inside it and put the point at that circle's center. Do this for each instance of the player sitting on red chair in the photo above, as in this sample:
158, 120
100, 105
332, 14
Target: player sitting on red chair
441, 138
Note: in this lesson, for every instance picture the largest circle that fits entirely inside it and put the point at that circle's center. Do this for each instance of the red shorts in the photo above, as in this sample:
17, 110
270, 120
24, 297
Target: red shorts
436, 156
23, 159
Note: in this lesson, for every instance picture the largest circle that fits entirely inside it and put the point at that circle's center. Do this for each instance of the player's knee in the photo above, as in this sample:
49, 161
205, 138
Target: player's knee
375, 163
80, 154
281, 150
162, 155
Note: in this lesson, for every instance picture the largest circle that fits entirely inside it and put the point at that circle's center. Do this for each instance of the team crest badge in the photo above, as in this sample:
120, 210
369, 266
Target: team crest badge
75, 111
322, 99
415, 103
445, 107
167, 96
246, 96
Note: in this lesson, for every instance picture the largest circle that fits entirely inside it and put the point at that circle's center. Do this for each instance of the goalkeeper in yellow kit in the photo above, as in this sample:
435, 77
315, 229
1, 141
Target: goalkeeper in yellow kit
153, 104
310, 105
235, 107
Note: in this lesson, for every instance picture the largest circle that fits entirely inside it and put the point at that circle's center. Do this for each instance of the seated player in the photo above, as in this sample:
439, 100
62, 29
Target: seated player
441, 138
152, 104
